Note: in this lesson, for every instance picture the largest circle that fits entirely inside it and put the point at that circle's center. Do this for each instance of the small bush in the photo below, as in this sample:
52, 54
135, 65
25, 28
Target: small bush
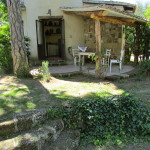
144, 67
55, 112
23, 71
45, 71
6, 62
102, 120
27, 45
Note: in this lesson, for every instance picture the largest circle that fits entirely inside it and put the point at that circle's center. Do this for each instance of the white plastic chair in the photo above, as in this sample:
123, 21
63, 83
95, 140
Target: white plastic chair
75, 53
117, 61
105, 59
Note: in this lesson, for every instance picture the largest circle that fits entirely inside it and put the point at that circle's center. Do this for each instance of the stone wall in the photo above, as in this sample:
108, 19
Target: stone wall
112, 36
89, 33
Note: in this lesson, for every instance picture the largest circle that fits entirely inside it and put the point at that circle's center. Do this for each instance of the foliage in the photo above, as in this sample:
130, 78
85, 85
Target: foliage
102, 119
5, 49
45, 71
144, 67
27, 44
129, 43
147, 12
3, 11
55, 112
140, 8
23, 70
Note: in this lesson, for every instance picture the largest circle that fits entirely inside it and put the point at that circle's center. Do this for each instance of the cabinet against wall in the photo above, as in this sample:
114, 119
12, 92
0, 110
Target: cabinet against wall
52, 33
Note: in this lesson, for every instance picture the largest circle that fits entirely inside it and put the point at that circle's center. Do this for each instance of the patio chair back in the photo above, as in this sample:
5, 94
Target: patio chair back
121, 54
108, 52
75, 53
119, 61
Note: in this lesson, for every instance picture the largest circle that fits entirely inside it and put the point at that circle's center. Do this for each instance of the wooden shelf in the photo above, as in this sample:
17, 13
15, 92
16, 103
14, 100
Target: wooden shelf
53, 26
54, 34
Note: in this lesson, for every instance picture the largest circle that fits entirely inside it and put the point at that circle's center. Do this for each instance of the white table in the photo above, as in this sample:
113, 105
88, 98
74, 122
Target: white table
82, 54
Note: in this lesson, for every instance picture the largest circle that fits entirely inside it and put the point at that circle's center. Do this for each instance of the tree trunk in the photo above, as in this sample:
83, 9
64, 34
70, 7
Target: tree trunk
98, 48
20, 61
137, 45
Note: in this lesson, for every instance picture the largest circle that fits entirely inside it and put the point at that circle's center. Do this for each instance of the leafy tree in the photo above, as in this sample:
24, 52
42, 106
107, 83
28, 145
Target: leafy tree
138, 40
129, 42
5, 48
147, 14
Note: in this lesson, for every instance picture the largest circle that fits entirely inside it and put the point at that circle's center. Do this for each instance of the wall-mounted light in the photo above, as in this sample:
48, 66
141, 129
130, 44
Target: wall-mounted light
49, 12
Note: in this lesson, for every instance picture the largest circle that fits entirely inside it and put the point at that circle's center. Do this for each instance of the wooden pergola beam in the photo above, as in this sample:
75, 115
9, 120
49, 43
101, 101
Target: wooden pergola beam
112, 20
101, 13
128, 20
89, 13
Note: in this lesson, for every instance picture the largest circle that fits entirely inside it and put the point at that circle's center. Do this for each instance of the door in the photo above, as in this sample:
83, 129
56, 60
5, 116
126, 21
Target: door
40, 39
62, 39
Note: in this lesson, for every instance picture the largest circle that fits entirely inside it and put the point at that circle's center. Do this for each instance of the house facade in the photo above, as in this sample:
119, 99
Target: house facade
55, 26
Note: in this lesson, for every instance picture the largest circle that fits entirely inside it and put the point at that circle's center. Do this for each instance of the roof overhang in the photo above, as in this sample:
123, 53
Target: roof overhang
106, 14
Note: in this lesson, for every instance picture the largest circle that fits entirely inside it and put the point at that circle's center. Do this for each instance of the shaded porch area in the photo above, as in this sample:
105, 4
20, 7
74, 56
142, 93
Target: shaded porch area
105, 29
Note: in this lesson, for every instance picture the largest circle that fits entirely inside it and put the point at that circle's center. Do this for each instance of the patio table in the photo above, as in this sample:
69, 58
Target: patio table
82, 54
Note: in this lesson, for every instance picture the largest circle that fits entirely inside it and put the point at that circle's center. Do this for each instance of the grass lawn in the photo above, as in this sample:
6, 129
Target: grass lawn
17, 95
27, 94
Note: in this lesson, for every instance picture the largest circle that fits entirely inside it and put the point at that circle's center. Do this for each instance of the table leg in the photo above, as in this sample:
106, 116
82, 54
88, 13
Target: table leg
82, 60
79, 59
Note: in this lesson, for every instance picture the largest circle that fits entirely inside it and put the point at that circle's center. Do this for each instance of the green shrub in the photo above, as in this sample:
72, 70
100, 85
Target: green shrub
45, 71
6, 62
102, 120
27, 45
23, 71
144, 67
55, 112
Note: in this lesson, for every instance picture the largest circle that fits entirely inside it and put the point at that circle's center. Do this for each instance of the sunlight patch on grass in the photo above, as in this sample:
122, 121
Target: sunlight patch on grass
15, 93
82, 89
2, 111
30, 105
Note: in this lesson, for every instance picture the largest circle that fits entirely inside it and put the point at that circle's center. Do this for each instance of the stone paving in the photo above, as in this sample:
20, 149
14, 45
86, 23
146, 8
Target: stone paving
89, 70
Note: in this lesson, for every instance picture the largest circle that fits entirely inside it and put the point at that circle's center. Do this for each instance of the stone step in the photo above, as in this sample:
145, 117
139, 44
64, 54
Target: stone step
22, 121
68, 74
34, 139
57, 63
68, 140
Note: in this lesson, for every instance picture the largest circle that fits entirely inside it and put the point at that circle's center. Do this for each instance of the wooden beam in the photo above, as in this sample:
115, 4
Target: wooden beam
100, 13
128, 20
112, 20
98, 47
89, 13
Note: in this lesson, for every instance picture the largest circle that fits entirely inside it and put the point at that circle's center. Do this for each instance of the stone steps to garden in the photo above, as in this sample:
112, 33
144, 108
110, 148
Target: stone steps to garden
22, 121
34, 139
33, 130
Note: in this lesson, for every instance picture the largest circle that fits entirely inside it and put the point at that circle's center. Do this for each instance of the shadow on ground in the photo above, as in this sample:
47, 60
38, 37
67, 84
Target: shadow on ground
19, 95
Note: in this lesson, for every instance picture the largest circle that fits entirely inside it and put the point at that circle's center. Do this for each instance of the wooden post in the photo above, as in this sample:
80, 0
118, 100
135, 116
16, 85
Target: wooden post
98, 47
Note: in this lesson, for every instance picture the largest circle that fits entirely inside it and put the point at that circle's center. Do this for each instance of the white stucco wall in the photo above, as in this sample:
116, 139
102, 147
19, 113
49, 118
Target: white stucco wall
74, 25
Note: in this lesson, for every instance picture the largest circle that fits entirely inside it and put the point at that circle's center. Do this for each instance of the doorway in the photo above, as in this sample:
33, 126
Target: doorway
50, 38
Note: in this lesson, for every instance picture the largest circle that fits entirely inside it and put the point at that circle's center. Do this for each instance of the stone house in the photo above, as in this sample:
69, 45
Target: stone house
54, 26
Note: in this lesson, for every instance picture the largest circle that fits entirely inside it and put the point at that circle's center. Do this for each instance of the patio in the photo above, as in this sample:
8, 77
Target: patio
88, 69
